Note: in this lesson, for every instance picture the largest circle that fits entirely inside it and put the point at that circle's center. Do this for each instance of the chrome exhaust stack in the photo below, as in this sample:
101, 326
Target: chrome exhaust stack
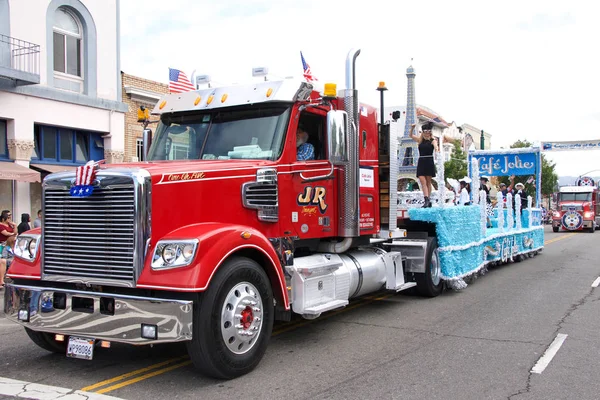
349, 193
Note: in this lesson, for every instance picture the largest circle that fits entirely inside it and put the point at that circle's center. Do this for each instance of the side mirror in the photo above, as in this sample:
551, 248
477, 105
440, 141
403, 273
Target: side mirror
146, 143
337, 136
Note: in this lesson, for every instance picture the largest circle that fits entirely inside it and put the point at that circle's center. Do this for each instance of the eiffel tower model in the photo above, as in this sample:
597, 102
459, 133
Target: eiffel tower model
408, 150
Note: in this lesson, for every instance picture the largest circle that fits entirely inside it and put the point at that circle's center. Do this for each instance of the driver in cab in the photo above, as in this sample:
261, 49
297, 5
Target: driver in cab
305, 151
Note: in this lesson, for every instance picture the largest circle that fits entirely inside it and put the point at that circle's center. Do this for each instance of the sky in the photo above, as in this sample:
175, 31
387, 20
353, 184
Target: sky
523, 69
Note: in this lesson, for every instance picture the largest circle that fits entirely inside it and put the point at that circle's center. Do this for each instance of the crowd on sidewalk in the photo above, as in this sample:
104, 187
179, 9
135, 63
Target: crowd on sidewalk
8, 237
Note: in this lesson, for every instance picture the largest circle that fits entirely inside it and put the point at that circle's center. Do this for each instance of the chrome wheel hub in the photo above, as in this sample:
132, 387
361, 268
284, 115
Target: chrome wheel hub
435, 268
241, 318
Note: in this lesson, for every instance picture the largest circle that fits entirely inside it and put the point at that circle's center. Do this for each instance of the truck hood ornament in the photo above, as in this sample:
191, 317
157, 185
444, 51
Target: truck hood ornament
84, 178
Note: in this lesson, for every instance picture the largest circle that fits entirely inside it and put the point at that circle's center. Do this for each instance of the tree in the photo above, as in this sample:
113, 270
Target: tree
457, 166
549, 176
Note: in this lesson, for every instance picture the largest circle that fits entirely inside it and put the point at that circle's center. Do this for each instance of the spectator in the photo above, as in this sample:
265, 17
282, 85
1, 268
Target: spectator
38, 221
6, 259
24, 225
7, 227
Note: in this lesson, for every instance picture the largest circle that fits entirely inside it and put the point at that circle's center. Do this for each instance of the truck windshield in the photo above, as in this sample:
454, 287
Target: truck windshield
249, 133
575, 197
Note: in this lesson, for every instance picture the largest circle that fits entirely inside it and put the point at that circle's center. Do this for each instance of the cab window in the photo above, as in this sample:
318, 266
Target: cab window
315, 125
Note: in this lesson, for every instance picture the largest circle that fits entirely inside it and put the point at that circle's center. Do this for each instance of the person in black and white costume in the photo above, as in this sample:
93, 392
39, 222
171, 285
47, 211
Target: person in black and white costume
464, 198
520, 188
488, 201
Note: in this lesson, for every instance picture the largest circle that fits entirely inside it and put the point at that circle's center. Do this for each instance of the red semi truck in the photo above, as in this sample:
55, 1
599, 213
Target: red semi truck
221, 229
578, 208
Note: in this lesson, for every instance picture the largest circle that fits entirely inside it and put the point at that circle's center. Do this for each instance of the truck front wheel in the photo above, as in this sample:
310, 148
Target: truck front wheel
430, 283
233, 320
46, 341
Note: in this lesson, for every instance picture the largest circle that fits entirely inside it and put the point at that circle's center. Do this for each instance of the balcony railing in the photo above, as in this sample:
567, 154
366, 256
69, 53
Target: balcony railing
19, 61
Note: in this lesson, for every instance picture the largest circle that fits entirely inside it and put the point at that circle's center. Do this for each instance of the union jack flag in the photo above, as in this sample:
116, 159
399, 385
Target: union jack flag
84, 179
179, 82
307, 74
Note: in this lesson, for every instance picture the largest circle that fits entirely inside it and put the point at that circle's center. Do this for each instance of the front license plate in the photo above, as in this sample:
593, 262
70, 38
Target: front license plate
80, 348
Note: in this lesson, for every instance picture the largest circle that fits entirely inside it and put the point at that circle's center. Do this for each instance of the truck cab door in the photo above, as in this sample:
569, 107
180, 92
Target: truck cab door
313, 183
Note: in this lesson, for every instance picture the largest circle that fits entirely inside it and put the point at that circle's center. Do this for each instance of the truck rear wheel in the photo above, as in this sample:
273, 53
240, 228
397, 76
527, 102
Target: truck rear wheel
430, 284
46, 341
233, 320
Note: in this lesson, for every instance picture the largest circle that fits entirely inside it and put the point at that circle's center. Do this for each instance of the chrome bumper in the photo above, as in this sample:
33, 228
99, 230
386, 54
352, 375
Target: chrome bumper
116, 318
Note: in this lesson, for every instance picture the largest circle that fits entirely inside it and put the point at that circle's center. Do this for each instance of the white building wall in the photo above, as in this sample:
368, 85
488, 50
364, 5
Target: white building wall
27, 110
104, 13
34, 30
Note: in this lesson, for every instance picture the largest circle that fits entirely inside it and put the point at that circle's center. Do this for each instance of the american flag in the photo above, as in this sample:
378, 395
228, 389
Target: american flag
307, 74
179, 82
84, 177
530, 180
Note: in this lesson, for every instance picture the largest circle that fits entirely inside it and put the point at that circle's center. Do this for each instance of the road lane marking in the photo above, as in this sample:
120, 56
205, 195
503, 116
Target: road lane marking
141, 378
556, 239
549, 354
363, 301
129, 374
30, 390
285, 328
596, 282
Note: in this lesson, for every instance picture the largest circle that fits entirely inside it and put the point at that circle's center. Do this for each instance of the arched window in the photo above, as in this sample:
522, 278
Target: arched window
68, 35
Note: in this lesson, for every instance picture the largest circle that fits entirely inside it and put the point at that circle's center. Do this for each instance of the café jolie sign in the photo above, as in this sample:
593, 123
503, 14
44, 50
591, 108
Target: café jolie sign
507, 164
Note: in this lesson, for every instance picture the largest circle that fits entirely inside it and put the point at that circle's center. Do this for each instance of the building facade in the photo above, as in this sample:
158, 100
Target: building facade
472, 135
138, 92
60, 90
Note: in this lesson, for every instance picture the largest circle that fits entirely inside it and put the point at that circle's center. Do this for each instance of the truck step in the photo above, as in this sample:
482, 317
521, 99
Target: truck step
332, 305
404, 286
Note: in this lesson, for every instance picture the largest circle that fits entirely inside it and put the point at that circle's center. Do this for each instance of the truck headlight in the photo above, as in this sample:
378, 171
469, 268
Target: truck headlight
174, 253
26, 246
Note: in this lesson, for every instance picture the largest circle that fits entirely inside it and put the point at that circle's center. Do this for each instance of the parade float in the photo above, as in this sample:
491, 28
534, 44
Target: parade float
468, 239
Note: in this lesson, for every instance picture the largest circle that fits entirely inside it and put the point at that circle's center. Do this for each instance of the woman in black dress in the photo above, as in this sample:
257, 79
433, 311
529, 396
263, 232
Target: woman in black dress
425, 166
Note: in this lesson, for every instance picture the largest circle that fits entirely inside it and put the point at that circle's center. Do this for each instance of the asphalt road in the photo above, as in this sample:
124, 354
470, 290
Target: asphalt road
479, 343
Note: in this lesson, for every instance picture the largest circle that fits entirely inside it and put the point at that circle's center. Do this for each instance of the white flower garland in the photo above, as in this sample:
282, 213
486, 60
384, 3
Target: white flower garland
482, 265
529, 207
500, 207
510, 222
439, 176
518, 211
518, 150
415, 199
485, 239
483, 208
475, 183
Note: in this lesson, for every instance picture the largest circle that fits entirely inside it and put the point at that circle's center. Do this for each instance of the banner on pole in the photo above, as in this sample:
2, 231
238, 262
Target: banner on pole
571, 145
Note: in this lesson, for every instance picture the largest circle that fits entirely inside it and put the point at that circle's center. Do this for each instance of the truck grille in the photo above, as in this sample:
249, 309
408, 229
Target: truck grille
92, 238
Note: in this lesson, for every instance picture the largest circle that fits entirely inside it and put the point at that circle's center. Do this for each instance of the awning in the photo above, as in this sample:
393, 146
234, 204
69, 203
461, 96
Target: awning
16, 172
54, 168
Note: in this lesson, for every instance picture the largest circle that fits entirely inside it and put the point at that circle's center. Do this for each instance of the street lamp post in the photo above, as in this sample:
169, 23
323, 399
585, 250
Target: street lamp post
482, 141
